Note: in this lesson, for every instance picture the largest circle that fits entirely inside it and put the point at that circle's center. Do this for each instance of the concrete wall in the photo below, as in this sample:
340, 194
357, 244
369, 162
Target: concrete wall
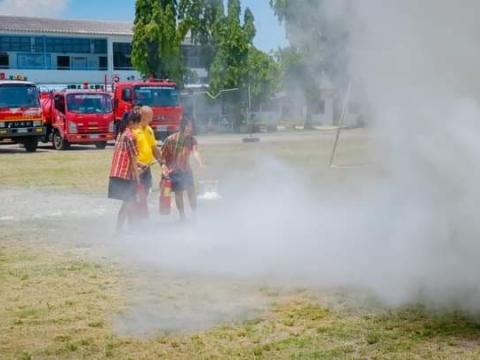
54, 76
68, 76
327, 117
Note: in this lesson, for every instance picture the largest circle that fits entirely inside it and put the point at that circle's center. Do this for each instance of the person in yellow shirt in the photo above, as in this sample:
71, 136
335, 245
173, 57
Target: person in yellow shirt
147, 149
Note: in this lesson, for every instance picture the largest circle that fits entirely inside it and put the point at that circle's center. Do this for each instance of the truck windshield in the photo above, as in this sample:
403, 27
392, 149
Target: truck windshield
18, 95
89, 103
156, 96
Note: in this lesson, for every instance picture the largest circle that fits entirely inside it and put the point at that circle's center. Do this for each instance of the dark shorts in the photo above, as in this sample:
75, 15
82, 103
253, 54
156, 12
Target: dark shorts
146, 179
121, 189
181, 180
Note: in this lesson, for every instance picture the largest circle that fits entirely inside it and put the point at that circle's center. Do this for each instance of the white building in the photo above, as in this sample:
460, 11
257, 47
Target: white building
53, 51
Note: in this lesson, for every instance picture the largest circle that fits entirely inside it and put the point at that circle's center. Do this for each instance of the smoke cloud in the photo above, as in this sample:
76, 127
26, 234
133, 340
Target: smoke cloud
409, 235
408, 232
416, 62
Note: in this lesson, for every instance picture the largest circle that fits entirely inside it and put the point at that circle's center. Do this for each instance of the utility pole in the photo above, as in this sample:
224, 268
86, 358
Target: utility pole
346, 99
250, 138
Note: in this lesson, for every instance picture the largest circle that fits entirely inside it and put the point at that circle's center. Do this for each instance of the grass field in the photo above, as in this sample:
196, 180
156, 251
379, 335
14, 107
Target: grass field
59, 300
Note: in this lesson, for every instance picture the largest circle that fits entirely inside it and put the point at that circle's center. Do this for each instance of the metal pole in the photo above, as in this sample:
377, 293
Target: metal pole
195, 107
250, 138
249, 110
340, 124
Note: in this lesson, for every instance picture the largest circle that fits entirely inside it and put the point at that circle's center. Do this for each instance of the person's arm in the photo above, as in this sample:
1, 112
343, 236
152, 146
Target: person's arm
163, 158
153, 143
157, 154
196, 153
132, 151
197, 156
135, 171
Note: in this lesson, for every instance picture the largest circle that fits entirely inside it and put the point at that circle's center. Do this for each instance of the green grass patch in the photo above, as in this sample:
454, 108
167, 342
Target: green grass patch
58, 304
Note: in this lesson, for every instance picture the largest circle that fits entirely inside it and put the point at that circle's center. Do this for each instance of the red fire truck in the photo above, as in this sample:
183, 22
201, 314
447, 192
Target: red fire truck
78, 117
21, 118
160, 95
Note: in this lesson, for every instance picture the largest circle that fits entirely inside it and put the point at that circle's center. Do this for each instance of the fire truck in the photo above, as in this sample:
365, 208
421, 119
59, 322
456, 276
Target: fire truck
160, 95
78, 117
21, 118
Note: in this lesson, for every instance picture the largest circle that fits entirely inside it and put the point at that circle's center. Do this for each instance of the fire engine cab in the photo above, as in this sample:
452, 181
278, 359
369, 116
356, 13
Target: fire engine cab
78, 117
21, 118
161, 95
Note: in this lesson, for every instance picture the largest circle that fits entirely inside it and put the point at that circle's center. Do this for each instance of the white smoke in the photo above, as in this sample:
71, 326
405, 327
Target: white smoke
409, 235
418, 62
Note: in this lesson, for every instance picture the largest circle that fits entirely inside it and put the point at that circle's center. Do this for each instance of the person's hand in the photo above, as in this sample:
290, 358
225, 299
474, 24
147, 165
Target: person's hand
141, 168
165, 170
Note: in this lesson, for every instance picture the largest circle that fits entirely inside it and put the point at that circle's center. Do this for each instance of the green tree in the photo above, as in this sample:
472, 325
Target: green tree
171, 36
225, 40
145, 44
318, 35
200, 17
229, 66
297, 77
238, 64
263, 76
156, 46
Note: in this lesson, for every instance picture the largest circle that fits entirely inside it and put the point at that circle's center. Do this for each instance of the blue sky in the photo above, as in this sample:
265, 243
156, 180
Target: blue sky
270, 34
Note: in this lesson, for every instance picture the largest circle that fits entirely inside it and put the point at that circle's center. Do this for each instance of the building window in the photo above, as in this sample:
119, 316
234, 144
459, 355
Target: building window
127, 94
67, 45
73, 45
36, 52
4, 61
38, 44
15, 43
122, 56
102, 63
63, 62
33, 61
99, 46
78, 63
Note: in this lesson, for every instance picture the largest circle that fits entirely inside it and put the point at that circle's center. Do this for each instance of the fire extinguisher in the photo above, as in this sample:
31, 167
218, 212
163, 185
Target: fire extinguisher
165, 196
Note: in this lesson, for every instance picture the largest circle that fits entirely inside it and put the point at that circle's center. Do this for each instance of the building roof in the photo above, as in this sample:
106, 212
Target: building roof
45, 25
15, 82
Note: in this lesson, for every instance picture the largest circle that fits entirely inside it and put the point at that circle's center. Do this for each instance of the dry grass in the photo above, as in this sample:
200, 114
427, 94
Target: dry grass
78, 170
86, 170
58, 305
57, 302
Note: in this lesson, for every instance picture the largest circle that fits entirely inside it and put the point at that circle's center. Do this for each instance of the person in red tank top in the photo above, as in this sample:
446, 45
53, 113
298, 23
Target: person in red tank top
175, 159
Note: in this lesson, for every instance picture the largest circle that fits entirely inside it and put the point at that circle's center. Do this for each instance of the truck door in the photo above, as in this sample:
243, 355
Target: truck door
127, 100
59, 117
127, 95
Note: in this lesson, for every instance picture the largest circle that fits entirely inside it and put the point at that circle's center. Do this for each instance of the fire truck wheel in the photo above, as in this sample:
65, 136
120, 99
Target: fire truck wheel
101, 145
31, 144
59, 143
